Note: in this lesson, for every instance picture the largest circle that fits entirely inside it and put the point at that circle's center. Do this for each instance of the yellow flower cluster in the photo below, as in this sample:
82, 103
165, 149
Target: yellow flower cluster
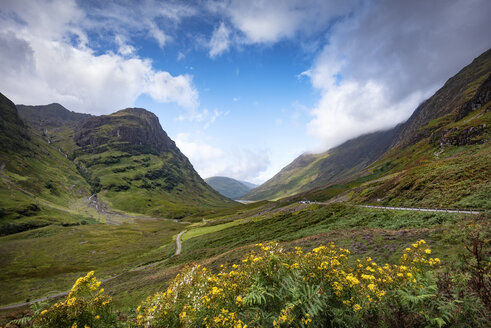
227, 298
84, 306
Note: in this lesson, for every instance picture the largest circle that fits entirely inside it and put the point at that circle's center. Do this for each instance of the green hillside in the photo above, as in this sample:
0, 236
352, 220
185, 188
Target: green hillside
443, 147
228, 187
132, 164
309, 171
52, 160
444, 162
37, 181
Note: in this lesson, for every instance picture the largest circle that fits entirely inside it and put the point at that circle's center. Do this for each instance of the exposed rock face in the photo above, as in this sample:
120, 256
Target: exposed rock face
460, 137
134, 126
483, 95
445, 101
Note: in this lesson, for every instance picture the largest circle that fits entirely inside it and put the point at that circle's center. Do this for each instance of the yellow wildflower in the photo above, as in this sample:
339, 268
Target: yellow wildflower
357, 307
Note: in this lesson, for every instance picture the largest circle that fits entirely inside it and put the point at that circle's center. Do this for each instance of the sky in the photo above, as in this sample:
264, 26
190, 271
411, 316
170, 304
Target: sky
242, 87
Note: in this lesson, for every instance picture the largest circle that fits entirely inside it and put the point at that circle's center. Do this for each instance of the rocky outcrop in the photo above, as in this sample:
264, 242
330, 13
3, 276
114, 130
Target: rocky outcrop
133, 126
461, 136
482, 96
446, 101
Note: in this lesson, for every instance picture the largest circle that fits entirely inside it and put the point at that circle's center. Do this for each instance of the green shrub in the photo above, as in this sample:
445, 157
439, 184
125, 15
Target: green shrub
85, 306
274, 288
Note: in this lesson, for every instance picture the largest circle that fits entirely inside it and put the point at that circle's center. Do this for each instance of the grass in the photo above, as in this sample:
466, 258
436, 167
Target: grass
302, 223
47, 260
459, 178
208, 229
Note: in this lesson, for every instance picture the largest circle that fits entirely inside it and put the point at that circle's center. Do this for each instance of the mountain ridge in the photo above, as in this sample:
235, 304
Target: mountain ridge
231, 188
437, 119
53, 159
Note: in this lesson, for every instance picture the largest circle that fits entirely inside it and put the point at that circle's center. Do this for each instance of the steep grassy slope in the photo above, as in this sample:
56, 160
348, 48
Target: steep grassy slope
439, 157
36, 181
132, 163
313, 170
228, 187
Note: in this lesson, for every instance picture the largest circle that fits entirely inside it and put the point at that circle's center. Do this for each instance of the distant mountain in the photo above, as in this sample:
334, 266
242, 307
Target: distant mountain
52, 115
54, 123
249, 185
440, 157
229, 187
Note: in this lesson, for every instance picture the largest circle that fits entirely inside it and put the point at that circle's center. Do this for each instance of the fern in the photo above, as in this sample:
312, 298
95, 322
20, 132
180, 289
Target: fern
257, 295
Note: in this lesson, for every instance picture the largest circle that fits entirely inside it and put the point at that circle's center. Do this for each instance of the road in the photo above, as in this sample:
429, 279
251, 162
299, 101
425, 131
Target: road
407, 208
65, 293
421, 209
178, 243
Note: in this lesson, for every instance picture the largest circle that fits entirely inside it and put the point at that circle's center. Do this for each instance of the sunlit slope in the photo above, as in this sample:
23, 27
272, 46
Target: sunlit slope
445, 161
443, 147
314, 170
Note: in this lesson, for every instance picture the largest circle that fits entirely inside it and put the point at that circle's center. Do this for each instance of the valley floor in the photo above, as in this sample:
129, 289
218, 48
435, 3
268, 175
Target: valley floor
138, 257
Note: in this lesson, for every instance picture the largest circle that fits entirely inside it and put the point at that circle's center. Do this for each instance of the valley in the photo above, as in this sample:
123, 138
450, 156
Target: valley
114, 195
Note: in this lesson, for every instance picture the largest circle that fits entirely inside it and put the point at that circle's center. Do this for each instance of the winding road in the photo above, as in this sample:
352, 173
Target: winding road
421, 209
65, 293
178, 243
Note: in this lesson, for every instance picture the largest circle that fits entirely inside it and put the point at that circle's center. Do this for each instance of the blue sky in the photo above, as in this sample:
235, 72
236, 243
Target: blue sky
243, 87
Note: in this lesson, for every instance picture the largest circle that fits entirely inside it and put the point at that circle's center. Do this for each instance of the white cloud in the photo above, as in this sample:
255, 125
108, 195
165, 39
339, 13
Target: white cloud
387, 58
270, 21
157, 19
208, 161
158, 34
205, 116
220, 40
45, 66
164, 87
124, 48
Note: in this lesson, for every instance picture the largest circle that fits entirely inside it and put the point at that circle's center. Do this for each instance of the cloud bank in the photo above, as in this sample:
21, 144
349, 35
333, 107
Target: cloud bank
388, 57
54, 60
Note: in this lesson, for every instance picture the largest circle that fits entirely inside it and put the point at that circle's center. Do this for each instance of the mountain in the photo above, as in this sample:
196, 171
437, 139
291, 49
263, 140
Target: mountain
440, 156
249, 184
13, 132
52, 160
229, 187
37, 181
54, 123
309, 171
132, 163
